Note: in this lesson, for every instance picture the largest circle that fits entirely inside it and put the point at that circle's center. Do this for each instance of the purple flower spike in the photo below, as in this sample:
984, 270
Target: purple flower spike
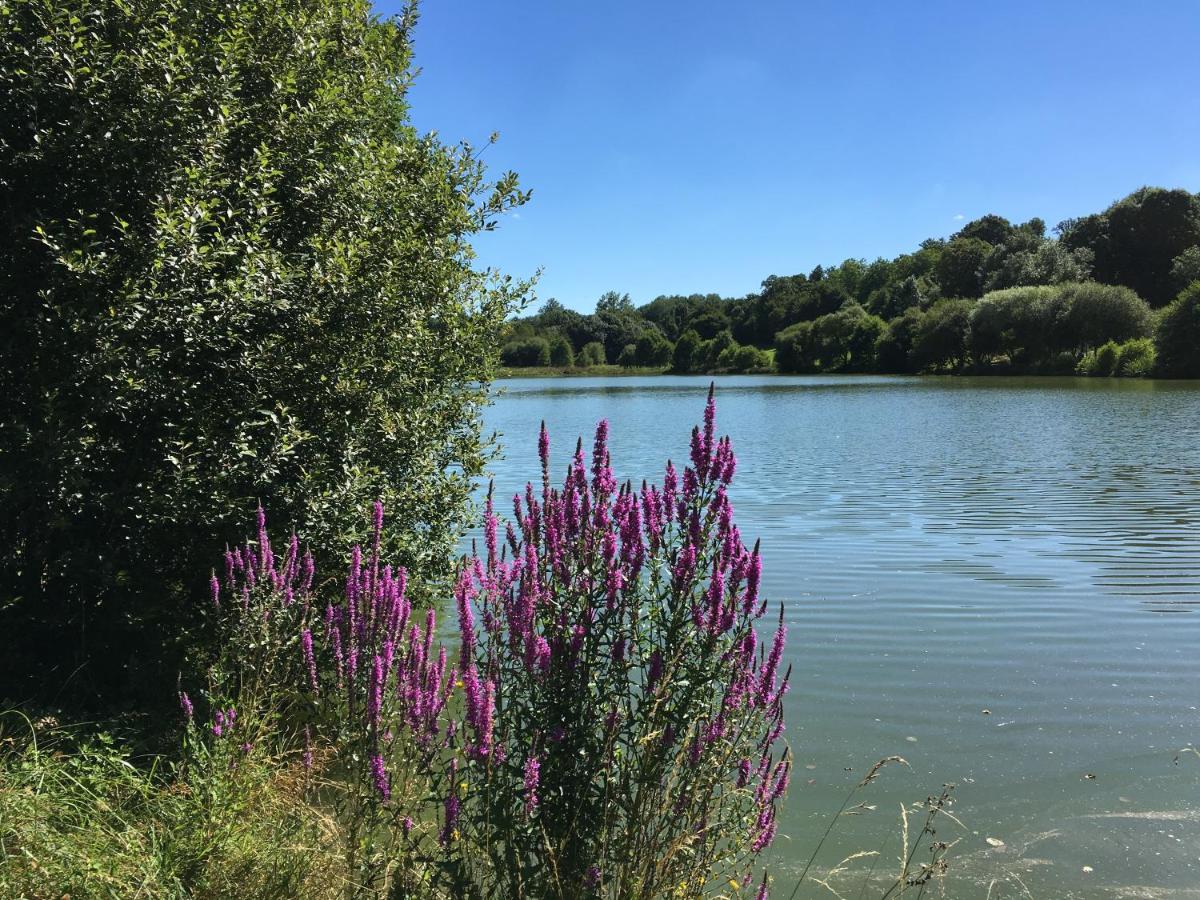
379, 776
185, 704
533, 768
310, 660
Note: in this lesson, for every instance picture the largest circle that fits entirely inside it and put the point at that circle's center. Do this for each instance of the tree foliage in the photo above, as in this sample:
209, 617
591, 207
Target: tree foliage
1178, 337
233, 271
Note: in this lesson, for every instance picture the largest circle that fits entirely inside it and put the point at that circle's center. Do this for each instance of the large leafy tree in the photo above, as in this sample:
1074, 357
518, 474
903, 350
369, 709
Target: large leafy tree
1179, 335
958, 269
1137, 240
232, 271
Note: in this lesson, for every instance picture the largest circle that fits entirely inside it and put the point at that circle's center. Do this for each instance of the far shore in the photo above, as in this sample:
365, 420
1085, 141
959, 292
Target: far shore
615, 371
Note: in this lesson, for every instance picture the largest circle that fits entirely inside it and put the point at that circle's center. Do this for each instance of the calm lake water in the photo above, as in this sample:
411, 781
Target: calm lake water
943, 547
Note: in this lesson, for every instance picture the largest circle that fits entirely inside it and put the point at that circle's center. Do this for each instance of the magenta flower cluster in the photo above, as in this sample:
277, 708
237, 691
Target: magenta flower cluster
609, 596
606, 647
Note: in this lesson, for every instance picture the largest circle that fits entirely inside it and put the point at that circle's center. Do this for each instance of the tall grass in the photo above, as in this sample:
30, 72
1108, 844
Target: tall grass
80, 818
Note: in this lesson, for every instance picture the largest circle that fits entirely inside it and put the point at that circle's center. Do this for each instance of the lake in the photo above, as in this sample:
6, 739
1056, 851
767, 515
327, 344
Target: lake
1028, 547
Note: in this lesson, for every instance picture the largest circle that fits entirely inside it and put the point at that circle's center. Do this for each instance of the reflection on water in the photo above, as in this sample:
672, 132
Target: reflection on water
1028, 547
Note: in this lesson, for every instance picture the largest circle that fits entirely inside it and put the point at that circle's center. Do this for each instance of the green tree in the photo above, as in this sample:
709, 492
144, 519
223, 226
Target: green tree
1018, 323
794, 351
958, 268
1096, 313
1178, 336
941, 337
1137, 239
592, 354
1185, 268
619, 323
991, 229
742, 358
687, 356
891, 301
713, 349
525, 352
653, 349
233, 271
1032, 260
845, 340
561, 351
893, 349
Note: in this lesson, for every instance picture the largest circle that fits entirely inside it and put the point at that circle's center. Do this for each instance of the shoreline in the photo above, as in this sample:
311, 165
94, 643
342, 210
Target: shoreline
621, 372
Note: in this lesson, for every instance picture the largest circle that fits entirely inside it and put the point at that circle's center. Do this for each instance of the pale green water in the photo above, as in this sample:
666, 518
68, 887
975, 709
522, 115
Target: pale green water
945, 546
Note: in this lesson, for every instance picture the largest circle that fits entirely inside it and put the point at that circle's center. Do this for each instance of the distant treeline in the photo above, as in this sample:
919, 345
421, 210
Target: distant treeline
1113, 293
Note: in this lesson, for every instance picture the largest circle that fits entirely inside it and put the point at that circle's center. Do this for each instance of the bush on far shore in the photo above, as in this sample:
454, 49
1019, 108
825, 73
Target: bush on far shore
1179, 335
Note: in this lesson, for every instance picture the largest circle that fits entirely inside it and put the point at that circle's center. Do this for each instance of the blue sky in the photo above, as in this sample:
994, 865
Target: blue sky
680, 147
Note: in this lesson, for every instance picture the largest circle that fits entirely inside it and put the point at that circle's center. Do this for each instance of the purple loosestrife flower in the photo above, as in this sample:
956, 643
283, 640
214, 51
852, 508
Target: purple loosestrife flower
218, 727
753, 576
310, 660
215, 589
544, 453
655, 670
685, 568
533, 770
670, 489
763, 890
699, 458
743, 777
690, 485
710, 418
185, 704
463, 593
451, 808
592, 879
766, 685
490, 522
379, 776
603, 482
339, 662
264, 545
375, 692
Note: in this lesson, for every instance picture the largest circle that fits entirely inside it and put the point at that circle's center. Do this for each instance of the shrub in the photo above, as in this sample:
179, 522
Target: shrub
534, 351
743, 358
1102, 361
1097, 313
233, 270
1178, 336
894, 346
1136, 358
616, 734
561, 352
592, 354
940, 340
794, 348
688, 355
1018, 322
653, 349
1132, 359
